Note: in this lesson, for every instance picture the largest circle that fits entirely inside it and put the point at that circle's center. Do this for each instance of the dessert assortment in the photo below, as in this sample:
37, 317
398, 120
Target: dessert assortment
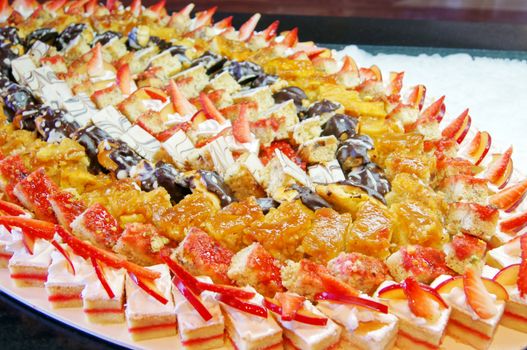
235, 186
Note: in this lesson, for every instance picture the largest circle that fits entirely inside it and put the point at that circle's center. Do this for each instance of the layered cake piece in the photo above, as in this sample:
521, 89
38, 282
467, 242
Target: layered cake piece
103, 295
194, 331
305, 327
149, 306
505, 255
423, 314
366, 322
477, 306
249, 326
464, 250
66, 278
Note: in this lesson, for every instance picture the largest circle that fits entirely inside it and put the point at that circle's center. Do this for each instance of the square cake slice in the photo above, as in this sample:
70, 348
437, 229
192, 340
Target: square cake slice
97, 305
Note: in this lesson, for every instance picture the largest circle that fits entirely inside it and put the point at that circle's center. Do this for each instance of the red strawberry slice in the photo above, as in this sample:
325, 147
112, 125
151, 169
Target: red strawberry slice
301, 315
124, 80
87, 250
149, 287
478, 297
395, 86
247, 29
522, 275
479, 147
367, 303
509, 198
514, 223
185, 11
434, 112
135, 7
66, 256
11, 209
269, 33
419, 299
180, 103
36, 228
5, 10
224, 23
204, 18
96, 64
155, 93
499, 171
90, 7
34, 192
458, 128
210, 109
241, 129
290, 304
29, 242
192, 298
99, 271
54, 5
66, 207
246, 307
190, 281
158, 8
291, 38
75, 7
417, 97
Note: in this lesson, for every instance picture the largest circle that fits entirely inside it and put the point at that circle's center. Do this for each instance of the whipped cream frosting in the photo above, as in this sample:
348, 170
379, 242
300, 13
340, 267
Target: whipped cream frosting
59, 271
94, 289
507, 254
41, 256
210, 128
139, 302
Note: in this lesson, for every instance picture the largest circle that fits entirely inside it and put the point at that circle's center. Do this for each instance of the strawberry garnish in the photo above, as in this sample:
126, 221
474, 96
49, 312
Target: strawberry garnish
5, 10
110, 5
224, 23
291, 38
395, 86
509, 198
180, 103
32, 227
269, 33
11, 209
204, 18
514, 223
477, 295
210, 109
66, 256
54, 5
240, 127
124, 80
246, 307
290, 304
90, 7
353, 300
434, 112
247, 29
419, 299
135, 7
267, 153
417, 97
95, 64
479, 147
99, 271
522, 275
499, 171
28, 241
458, 128
192, 298
158, 7
149, 287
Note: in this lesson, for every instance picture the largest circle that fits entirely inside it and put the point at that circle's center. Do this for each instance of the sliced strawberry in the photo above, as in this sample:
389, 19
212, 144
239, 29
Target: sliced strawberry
149, 287
224, 23
499, 171
87, 250
28, 241
136, 7
124, 80
354, 300
158, 7
192, 298
246, 307
210, 109
307, 317
417, 97
96, 64
514, 224
241, 129
36, 228
478, 297
395, 86
458, 128
75, 7
419, 299
66, 207
269, 33
370, 74
291, 38
247, 29
90, 7
99, 271
54, 5
225, 289
11, 209
204, 18
434, 112
185, 11
5, 10
155, 93
290, 304
479, 147
522, 274
180, 103
267, 153
66, 256
183, 275
509, 198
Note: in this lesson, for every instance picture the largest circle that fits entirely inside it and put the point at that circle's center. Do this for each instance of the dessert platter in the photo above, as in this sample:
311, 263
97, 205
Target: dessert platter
170, 181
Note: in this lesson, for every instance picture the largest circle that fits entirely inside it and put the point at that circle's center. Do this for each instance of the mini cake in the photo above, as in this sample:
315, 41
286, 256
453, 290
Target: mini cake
98, 306
506, 255
423, 314
477, 307
464, 250
66, 278
365, 328
473, 219
149, 316
194, 332
248, 331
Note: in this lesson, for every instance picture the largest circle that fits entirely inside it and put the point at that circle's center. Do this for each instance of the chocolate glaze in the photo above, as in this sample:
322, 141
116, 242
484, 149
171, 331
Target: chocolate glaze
19, 100
215, 184
319, 108
104, 38
341, 126
125, 158
243, 72
309, 198
9, 35
46, 35
354, 152
370, 178
291, 93
6, 56
267, 204
176, 184
175, 50
53, 125
69, 34
90, 137
211, 61
264, 80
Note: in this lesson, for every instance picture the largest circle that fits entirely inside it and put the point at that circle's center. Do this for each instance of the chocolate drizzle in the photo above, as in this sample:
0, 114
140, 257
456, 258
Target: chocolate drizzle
90, 137
45, 35
53, 125
354, 152
264, 80
309, 198
106, 37
319, 108
370, 178
291, 93
215, 184
69, 34
243, 72
267, 204
176, 184
211, 61
341, 126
